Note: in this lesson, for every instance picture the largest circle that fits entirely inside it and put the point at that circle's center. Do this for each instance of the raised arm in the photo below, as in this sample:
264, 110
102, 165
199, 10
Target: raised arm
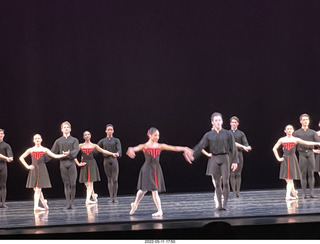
23, 161
275, 150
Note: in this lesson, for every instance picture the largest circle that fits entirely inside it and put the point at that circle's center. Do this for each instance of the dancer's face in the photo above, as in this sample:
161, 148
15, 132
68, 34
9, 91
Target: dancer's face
289, 130
37, 139
87, 135
65, 129
234, 124
155, 136
217, 122
109, 131
1, 135
305, 121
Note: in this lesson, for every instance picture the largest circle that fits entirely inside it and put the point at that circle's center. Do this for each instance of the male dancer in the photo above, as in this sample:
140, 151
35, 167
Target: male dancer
110, 163
306, 155
68, 167
5, 156
241, 144
221, 145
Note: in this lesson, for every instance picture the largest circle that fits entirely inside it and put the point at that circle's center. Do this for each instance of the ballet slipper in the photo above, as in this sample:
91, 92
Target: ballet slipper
295, 193
133, 208
157, 214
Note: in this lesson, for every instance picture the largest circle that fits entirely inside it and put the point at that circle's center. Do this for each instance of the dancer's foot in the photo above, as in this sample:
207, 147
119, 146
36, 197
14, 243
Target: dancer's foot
88, 202
95, 197
38, 209
157, 214
133, 208
45, 205
288, 198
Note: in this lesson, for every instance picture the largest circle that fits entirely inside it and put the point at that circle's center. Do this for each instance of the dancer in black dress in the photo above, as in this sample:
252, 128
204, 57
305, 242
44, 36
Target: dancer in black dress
38, 176
89, 173
110, 163
151, 176
289, 168
6, 156
68, 167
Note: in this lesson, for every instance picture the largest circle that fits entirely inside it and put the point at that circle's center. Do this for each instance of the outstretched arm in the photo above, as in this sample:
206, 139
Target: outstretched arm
53, 155
99, 149
23, 161
246, 148
309, 143
275, 150
131, 152
187, 152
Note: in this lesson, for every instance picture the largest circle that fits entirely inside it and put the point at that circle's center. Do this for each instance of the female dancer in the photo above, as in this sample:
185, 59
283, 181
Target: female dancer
38, 176
151, 176
90, 172
289, 169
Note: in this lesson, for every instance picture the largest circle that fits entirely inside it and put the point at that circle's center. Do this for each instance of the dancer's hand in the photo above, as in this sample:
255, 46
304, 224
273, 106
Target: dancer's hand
131, 153
234, 166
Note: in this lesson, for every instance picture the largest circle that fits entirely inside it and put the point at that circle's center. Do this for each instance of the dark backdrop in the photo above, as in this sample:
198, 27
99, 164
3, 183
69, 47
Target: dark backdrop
168, 64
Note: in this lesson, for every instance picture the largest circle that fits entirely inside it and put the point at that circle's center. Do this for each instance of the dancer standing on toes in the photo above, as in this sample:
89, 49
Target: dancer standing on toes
289, 168
38, 176
68, 167
151, 176
221, 145
110, 163
89, 173
6, 156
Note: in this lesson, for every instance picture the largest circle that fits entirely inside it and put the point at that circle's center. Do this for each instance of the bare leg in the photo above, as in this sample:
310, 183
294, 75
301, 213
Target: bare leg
289, 190
36, 197
135, 204
89, 186
43, 201
157, 202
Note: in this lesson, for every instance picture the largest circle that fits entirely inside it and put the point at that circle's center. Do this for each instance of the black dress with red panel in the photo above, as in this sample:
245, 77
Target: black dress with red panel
39, 176
89, 172
151, 176
289, 168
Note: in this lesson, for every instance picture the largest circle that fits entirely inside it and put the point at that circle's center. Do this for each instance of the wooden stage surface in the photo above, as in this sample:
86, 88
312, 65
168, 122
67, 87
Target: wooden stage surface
260, 214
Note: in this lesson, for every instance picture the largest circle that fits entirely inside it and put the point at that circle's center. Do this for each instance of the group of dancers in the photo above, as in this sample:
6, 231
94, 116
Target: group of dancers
224, 149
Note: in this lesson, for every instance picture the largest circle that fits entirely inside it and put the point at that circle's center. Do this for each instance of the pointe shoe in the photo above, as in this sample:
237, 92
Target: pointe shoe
295, 193
95, 197
133, 208
157, 214
38, 209
45, 205
90, 202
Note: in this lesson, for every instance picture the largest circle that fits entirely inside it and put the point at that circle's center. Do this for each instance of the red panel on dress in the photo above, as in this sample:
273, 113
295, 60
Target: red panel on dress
37, 155
87, 150
288, 145
153, 151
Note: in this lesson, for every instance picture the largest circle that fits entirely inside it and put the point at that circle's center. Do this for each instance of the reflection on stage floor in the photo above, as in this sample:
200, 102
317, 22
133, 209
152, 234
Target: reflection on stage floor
182, 211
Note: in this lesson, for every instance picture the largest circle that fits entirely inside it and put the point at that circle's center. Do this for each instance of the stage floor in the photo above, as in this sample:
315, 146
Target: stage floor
185, 214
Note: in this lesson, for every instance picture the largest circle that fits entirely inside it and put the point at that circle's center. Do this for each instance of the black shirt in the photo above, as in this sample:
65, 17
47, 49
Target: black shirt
218, 143
5, 150
112, 145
